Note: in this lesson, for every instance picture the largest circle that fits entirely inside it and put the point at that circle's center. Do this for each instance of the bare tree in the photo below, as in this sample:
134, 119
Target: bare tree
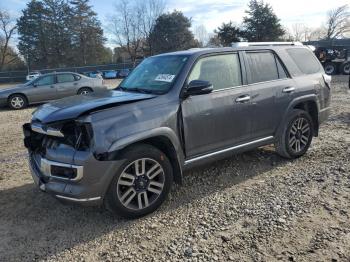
150, 10
201, 34
7, 30
133, 23
127, 27
338, 22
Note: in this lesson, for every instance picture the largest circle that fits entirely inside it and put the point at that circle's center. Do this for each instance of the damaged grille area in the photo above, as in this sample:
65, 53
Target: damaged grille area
75, 135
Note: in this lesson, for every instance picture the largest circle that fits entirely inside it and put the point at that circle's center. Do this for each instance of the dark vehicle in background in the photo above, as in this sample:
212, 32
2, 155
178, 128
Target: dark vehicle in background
123, 73
49, 87
334, 59
125, 147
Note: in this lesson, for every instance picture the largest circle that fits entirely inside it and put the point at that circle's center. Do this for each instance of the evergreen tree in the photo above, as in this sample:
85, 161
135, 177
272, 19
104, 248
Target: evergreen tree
261, 24
228, 33
87, 34
55, 33
171, 33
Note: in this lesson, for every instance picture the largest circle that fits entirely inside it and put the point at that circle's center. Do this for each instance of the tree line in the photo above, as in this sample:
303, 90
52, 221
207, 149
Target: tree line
59, 33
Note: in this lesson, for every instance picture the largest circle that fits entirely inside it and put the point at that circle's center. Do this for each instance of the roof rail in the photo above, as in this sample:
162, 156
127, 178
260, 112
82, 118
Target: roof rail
244, 44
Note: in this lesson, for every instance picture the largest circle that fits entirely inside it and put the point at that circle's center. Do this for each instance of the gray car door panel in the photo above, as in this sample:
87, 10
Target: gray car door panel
215, 121
67, 85
269, 102
43, 90
271, 91
219, 119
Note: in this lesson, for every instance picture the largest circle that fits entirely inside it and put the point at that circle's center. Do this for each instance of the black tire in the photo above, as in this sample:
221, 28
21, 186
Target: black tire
345, 68
115, 197
85, 91
330, 68
284, 144
17, 101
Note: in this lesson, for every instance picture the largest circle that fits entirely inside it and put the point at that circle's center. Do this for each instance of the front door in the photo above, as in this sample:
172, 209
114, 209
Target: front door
44, 89
220, 119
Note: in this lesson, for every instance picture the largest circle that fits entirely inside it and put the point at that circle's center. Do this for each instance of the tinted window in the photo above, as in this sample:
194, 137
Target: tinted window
64, 78
46, 80
262, 66
222, 71
305, 60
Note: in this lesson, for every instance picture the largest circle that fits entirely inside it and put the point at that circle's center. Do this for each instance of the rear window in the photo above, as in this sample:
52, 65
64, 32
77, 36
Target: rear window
262, 66
64, 78
305, 60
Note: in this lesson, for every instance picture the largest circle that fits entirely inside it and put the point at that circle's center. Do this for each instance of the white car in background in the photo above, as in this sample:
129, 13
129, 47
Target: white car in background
33, 75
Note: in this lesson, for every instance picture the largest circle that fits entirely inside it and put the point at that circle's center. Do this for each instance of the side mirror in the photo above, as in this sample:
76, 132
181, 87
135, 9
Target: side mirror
198, 87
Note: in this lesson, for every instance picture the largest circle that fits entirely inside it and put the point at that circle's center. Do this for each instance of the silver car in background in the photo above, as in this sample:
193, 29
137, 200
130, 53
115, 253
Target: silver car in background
49, 87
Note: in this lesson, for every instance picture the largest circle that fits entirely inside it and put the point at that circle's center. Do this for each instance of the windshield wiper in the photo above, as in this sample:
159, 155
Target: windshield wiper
139, 90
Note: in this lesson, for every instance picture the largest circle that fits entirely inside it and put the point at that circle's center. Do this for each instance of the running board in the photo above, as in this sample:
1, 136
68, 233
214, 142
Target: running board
191, 160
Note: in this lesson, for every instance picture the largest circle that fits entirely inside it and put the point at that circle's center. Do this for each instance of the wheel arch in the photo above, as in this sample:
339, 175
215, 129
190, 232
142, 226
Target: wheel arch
18, 93
307, 103
163, 139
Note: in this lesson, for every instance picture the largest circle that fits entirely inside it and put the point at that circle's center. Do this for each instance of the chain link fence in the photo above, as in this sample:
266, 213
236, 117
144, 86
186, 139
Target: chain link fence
20, 76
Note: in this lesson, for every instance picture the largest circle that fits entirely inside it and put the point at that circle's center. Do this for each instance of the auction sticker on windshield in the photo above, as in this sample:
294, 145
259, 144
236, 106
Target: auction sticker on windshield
165, 78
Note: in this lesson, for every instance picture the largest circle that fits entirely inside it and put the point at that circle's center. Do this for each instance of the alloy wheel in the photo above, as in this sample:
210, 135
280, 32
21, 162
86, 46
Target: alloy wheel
299, 135
17, 102
84, 92
140, 184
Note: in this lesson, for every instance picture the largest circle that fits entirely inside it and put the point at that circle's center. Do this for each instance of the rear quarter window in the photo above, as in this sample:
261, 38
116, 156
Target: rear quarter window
305, 60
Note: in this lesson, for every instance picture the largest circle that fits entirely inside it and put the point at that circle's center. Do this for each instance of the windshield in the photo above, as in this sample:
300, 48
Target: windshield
154, 74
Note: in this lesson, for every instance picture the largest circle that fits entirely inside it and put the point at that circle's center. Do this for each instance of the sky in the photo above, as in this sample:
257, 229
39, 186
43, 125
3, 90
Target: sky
212, 13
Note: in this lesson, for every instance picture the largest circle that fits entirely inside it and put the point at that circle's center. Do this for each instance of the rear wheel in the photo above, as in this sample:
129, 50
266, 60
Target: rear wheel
296, 136
142, 182
84, 91
330, 68
17, 101
345, 68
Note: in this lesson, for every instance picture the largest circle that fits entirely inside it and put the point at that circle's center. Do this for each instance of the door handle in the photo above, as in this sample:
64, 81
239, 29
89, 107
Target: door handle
288, 89
52, 86
242, 99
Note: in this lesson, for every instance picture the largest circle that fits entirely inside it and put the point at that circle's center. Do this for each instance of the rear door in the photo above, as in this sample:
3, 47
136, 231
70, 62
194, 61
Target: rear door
44, 89
271, 91
67, 85
220, 119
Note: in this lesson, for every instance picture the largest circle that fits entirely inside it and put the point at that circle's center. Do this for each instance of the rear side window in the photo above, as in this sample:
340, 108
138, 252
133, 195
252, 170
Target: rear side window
65, 78
262, 67
222, 71
305, 60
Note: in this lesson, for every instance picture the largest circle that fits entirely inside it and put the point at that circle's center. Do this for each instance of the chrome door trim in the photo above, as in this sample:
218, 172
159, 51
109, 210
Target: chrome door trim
191, 160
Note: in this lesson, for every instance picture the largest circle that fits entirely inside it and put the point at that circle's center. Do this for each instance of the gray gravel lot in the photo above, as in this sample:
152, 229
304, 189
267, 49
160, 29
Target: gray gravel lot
252, 207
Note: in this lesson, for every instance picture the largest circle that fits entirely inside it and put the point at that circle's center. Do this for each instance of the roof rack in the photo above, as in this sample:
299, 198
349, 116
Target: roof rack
244, 44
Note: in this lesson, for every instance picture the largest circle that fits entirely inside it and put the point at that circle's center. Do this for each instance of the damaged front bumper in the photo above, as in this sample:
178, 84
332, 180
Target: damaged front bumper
65, 172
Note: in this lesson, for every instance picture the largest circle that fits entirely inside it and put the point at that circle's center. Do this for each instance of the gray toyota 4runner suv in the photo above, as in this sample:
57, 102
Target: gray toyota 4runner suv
124, 148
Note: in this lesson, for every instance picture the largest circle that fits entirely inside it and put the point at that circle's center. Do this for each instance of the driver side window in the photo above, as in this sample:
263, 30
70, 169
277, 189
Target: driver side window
222, 71
45, 80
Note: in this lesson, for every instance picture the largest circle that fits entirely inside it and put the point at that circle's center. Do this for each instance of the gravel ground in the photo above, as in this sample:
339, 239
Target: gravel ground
252, 207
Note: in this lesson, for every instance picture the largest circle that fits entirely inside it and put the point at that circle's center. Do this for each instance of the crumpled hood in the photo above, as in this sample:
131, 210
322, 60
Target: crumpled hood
74, 106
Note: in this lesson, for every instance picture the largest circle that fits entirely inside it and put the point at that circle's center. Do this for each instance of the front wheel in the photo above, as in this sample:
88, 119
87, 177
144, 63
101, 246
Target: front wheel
17, 102
142, 182
296, 137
